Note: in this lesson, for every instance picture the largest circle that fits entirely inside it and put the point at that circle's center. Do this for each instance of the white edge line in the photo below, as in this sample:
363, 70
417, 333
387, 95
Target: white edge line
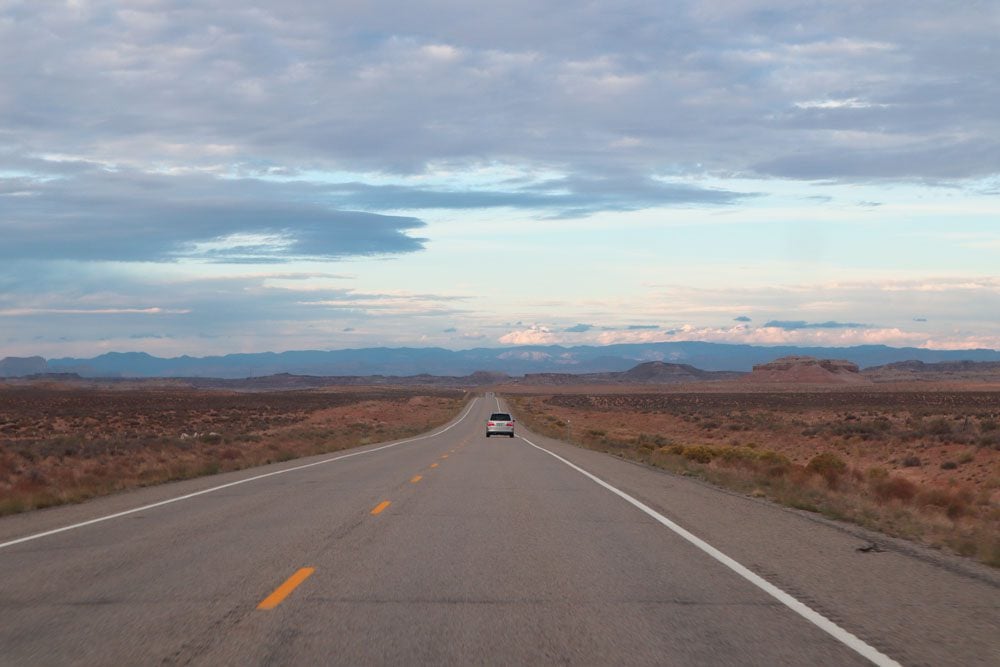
814, 617
89, 522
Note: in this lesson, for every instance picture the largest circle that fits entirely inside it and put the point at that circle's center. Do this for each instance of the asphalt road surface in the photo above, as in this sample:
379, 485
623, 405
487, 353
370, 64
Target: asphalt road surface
456, 549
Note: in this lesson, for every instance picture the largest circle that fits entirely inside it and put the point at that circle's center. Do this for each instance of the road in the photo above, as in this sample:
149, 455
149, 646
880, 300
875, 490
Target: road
457, 549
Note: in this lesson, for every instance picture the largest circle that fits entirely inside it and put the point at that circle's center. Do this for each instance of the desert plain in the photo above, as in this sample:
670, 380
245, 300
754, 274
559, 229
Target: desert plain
914, 459
65, 442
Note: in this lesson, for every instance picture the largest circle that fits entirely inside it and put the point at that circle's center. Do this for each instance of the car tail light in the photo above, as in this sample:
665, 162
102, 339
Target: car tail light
490, 424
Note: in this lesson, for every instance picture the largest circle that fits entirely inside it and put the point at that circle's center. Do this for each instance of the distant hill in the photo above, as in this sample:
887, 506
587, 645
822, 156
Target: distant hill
942, 371
12, 367
288, 381
514, 361
650, 372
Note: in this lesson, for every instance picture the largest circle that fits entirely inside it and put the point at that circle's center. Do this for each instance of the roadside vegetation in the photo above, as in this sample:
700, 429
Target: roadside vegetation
927, 470
63, 446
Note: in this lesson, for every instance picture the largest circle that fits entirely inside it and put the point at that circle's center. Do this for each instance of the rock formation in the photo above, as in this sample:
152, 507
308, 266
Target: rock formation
807, 370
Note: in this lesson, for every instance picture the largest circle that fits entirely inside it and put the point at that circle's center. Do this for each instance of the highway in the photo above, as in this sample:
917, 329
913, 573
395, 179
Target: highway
455, 549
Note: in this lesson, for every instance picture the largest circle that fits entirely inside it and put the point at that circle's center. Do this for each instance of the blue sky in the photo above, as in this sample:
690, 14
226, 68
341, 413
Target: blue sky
189, 178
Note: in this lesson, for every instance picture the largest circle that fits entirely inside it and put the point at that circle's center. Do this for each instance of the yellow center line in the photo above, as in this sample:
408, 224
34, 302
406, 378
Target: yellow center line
444, 456
416, 478
381, 506
434, 465
285, 589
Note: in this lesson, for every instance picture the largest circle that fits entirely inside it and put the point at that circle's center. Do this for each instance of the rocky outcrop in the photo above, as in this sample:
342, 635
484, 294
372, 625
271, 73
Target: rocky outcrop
807, 370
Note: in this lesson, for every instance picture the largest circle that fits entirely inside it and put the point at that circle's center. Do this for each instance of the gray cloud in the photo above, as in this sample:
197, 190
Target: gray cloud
938, 160
579, 328
96, 214
568, 197
799, 324
642, 327
882, 90
742, 318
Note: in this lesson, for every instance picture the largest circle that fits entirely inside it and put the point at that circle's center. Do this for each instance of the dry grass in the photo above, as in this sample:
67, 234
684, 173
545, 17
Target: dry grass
916, 466
59, 446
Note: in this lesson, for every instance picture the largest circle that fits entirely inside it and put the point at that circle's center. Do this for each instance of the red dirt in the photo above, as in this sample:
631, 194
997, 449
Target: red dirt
60, 444
868, 427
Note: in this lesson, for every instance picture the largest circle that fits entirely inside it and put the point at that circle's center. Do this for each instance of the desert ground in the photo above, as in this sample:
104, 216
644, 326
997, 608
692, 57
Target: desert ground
64, 443
916, 461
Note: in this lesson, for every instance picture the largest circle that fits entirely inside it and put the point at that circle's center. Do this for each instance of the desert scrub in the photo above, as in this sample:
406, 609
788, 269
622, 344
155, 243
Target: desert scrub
829, 466
124, 449
764, 461
886, 488
700, 453
881, 450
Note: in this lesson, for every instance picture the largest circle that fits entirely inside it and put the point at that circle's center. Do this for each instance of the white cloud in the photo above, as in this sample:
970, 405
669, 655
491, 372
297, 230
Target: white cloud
749, 335
849, 103
442, 52
533, 335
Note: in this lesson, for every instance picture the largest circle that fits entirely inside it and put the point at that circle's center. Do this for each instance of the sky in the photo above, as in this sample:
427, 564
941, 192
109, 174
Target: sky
206, 178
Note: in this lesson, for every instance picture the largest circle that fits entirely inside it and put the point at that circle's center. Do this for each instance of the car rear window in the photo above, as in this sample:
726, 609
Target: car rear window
499, 417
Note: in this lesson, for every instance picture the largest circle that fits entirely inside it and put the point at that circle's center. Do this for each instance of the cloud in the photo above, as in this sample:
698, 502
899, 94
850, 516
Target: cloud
533, 335
143, 142
947, 159
641, 327
390, 303
742, 318
20, 312
94, 214
244, 312
781, 88
851, 103
579, 328
952, 299
793, 325
566, 197
891, 336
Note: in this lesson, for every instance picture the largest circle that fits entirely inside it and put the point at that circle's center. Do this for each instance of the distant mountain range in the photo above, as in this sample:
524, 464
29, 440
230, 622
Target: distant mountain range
514, 361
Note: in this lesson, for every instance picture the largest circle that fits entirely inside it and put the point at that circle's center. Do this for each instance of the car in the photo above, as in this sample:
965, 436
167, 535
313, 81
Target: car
500, 423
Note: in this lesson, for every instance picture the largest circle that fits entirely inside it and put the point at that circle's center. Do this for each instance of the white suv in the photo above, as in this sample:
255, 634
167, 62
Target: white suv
500, 423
